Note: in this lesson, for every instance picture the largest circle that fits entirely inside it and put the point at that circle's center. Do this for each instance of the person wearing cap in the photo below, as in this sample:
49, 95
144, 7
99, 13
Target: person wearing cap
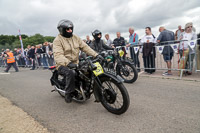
186, 53
66, 48
10, 61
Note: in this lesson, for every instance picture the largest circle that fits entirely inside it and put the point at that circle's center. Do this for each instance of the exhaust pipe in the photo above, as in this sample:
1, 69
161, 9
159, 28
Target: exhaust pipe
57, 89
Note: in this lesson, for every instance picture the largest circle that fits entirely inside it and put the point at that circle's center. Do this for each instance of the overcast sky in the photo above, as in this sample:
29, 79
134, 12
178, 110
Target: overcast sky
42, 16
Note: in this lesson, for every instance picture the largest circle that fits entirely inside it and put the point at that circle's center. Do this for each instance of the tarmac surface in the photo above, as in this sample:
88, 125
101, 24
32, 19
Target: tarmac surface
158, 105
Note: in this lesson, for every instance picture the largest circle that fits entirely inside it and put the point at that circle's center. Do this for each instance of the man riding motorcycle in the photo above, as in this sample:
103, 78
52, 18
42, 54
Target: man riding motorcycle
66, 47
98, 45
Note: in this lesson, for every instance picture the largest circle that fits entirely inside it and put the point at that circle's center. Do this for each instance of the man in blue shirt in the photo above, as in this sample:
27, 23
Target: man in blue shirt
133, 40
164, 38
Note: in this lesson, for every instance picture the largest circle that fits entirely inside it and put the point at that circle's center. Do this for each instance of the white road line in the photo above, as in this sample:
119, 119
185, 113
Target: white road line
4, 73
140, 73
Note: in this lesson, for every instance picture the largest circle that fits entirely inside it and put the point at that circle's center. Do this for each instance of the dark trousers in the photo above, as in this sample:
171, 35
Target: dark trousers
70, 79
9, 66
134, 57
22, 61
19, 63
39, 61
149, 62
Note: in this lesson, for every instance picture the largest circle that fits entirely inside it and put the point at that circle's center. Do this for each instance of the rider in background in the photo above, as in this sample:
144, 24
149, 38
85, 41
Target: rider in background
98, 45
66, 47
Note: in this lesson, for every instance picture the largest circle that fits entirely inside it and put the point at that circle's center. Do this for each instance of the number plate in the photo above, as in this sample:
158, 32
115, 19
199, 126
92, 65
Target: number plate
121, 53
99, 69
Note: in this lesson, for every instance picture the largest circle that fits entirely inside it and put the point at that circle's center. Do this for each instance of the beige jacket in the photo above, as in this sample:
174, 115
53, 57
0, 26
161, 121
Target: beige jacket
67, 50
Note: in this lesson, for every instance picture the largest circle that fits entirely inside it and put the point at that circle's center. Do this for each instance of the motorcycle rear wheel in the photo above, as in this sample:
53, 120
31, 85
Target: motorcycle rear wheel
128, 72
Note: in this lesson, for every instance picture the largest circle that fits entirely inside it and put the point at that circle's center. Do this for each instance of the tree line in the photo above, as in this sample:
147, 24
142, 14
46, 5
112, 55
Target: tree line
12, 41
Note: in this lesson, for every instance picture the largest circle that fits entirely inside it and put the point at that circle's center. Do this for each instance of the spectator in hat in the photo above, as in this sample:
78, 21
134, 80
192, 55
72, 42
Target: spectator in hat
187, 54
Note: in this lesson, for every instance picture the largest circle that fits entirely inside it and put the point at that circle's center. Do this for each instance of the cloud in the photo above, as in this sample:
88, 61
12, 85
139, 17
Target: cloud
42, 16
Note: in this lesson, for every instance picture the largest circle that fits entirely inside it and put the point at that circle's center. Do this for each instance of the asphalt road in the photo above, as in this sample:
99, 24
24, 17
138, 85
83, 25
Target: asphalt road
157, 106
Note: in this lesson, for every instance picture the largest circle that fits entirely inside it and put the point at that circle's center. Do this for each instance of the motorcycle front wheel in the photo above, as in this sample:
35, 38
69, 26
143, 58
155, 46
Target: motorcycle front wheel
115, 97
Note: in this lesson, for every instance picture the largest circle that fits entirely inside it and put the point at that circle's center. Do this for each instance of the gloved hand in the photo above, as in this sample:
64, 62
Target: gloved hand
72, 65
100, 57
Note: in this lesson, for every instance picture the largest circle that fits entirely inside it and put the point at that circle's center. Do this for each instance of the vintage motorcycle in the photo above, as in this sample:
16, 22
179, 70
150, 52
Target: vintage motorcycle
115, 62
92, 79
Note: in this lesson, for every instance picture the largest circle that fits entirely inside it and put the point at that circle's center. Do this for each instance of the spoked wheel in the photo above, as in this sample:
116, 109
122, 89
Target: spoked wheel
115, 97
128, 72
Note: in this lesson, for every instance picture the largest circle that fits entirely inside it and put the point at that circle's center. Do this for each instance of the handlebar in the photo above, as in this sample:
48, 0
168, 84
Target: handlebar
120, 47
90, 62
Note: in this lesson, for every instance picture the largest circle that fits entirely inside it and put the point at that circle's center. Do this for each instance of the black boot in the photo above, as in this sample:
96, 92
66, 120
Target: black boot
68, 98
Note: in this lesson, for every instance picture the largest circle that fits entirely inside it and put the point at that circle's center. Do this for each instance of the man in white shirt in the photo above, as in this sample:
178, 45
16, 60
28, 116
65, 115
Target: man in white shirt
149, 53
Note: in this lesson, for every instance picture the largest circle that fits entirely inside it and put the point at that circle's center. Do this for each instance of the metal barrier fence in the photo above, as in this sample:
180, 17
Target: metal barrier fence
182, 60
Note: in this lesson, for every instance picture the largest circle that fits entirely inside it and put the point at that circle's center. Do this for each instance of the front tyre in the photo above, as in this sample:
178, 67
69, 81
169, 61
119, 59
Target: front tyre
115, 97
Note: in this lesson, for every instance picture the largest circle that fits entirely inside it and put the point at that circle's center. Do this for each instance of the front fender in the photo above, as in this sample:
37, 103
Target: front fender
117, 78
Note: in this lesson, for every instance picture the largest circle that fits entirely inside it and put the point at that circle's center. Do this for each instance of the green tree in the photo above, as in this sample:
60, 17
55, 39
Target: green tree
11, 41
7, 39
33, 40
49, 38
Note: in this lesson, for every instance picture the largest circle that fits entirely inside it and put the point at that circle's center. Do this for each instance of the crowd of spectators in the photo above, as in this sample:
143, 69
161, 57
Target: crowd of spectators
41, 55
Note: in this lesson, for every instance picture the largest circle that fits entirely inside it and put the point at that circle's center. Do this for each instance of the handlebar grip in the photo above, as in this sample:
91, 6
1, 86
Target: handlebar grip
92, 65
